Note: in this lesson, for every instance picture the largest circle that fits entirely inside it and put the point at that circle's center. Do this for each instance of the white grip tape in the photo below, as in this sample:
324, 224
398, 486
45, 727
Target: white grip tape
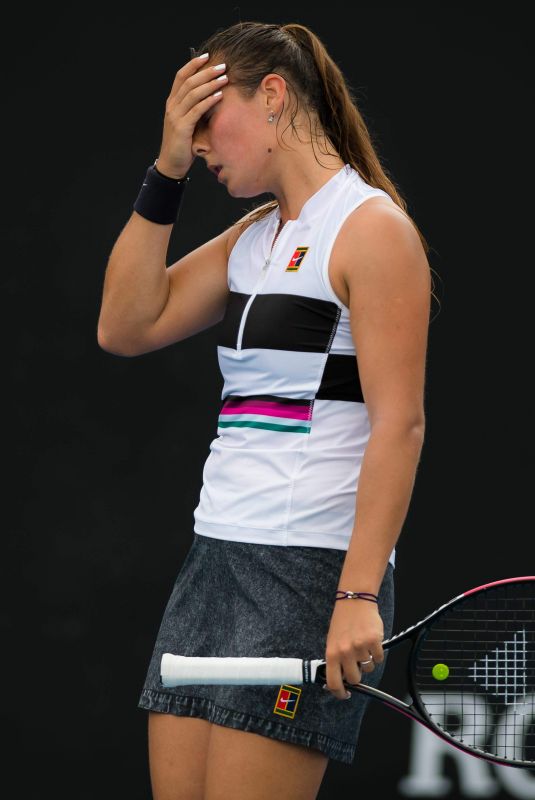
183, 670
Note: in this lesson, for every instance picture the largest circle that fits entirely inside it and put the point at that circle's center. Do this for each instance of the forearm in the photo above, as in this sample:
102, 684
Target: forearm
384, 491
136, 284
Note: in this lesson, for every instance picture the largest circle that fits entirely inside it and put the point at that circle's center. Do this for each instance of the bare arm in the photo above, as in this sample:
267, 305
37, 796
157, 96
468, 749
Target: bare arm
388, 277
147, 306
140, 294
136, 284
386, 271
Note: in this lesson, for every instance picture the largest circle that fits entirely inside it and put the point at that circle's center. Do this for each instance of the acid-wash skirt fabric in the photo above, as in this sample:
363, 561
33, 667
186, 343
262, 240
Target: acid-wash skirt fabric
245, 599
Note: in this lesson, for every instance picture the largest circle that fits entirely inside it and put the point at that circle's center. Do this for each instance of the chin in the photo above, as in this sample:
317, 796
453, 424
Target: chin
247, 189
240, 192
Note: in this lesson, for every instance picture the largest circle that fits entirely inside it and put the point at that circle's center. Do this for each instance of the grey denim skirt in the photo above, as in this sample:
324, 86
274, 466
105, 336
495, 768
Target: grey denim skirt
245, 599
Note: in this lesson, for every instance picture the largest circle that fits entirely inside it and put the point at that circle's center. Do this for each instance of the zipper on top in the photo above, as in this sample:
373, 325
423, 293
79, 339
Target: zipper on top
260, 281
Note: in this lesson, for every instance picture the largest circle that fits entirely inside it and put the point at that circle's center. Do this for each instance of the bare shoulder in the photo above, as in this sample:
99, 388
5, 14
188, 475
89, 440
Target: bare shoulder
377, 232
377, 221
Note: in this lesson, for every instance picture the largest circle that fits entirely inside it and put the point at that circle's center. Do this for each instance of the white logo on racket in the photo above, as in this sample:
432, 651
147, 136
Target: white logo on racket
503, 673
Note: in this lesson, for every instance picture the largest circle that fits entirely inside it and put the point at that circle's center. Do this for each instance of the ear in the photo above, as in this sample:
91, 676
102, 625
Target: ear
274, 88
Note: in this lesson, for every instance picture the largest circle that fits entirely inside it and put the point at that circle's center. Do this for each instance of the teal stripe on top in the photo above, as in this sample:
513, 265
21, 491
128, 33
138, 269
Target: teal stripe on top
270, 426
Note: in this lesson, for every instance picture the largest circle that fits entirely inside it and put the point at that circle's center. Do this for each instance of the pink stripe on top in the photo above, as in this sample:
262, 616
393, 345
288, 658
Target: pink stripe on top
273, 412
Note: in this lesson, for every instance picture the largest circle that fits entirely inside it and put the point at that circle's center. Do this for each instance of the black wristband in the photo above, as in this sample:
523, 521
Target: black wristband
160, 197
173, 180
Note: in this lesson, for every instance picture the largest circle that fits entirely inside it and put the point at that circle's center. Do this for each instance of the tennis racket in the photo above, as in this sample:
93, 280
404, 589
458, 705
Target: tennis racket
470, 672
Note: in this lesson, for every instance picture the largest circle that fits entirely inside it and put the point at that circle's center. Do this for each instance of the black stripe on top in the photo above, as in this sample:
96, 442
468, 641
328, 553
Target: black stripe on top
279, 322
340, 380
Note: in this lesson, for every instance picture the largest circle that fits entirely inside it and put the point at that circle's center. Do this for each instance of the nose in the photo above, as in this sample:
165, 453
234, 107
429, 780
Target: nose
198, 142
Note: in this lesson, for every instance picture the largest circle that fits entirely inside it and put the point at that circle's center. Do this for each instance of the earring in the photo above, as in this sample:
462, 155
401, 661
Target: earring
271, 117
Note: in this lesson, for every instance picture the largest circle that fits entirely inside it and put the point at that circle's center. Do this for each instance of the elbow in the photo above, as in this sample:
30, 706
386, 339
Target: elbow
107, 344
418, 428
411, 427
415, 429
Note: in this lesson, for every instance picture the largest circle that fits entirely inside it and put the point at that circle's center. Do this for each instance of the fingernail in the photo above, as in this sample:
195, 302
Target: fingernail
204, 55
348, 695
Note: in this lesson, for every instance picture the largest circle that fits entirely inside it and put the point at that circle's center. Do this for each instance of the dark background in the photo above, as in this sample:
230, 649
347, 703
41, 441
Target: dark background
105, 453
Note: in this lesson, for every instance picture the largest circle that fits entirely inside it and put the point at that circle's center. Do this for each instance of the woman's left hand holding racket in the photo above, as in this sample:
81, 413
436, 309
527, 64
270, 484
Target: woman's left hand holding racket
356, 633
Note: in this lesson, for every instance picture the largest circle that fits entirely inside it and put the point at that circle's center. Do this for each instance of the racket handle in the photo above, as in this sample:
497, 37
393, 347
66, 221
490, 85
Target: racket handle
183, 670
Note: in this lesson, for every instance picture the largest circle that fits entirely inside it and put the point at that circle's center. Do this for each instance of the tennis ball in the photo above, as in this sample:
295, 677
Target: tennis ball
440, 672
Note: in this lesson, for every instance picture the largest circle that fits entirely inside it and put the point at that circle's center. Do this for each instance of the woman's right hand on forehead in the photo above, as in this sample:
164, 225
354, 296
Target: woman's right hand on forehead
192, 95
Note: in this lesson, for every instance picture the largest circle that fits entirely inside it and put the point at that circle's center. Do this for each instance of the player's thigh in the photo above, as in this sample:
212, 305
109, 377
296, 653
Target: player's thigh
178, 748
247, 766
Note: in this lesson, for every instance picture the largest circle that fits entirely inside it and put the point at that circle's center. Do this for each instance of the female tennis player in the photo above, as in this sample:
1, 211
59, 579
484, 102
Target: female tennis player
323, 296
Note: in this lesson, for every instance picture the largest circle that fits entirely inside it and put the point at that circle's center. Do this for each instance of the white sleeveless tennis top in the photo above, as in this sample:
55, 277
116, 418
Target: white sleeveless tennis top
293, 426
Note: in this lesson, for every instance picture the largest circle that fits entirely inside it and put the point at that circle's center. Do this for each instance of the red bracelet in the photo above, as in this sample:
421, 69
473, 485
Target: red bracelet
362, 595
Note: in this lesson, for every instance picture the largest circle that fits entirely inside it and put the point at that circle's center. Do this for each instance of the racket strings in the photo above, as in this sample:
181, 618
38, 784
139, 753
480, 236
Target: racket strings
474, 671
